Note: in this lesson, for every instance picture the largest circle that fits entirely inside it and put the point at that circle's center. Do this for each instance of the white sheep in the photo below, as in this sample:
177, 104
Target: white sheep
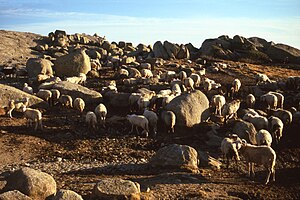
43, 77
262, 78
165, 92
79, 104
101, 112
201, 72
250, 101
55, 96
270, 100
263, 155
138, 121
82, 77
169, 120
207, 85
74, 79
66, 101
16, 105
196, 78
263, 137
276, 128
152, 119
168, 76
91, 121
32, 115
236, 84
230, 109
27, 88
176, 90
217, 102
147, 73
182, 75
143, 102
45, 95
280, 99
229, 148
285, 115
188, 83
258, 121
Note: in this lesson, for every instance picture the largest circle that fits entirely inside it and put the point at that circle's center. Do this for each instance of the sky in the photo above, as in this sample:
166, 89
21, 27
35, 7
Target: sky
139, 21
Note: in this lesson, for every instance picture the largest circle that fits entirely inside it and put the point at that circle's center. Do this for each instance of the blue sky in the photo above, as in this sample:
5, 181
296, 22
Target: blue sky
138, 21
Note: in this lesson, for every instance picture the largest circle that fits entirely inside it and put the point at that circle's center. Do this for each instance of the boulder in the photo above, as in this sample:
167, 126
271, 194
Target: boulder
72, 64
117, 100
283, 53
260, 43
213, 139
33, 183
189, 108
183, 53
208, 161
160, 51
75, 90
14, 195
176, 156
245, 130
172, 49
208, 47
35, 66
8, 93
116, 188
66, 195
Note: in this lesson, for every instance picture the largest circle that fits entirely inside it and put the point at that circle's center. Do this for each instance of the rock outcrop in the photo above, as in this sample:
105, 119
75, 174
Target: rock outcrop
35, 66
66, 195
14, 195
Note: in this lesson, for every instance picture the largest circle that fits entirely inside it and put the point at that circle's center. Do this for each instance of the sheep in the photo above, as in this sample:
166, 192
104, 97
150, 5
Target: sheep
280, 99
229, 148
270, 99
263, 155
55, 96
263, 137
101, 112
262, 78
169, 120
43, 77
138, 121
91, 121
152, 119
207, 85
230, 109
236, 85
143, 102
130, 81
45, 95
293, 82
218, 102
134, 73
285, 115
176, 90
27, 88
33, 115
258, 121
82, 77
296, 117
133, 99
147, 73
16, 105
79, 104
250, 101
166, 100
276, 128
168, 76
165, 92
201, 72
66, 101
188, 83
182, 75
121, 74
196, 78
74, 79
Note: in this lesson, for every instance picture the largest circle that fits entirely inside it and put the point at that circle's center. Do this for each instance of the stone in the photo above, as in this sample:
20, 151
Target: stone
284, 53
183, 53
94, 54
245, 130
75, 90
8, 93
117, 100
35, 66
208, 161
72, 64
14, 195
176, 156
66, 195
190, 108
116, 188
213, 139
160, 51
172, 49
33, 183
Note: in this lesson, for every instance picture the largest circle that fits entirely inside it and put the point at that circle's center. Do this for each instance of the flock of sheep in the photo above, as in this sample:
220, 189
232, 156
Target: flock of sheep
148, 108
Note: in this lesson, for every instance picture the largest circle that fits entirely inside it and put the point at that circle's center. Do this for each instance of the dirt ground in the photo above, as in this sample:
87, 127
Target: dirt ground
77, 159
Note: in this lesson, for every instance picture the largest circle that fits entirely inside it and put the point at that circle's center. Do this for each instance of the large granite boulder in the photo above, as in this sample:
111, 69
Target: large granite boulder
35, 66
8, 93
66, 195
33, 183
189, 108
176, 156
116, 188
283, 53
183, 52
208, 161
75, 90
14, 195
72, 64
117, 99
245, 130
172, 49
160, 51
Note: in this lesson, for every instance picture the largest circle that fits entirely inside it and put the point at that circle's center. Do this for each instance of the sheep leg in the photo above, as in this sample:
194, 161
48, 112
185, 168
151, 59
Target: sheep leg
36, 125
137, 130
268, 176
41, 124
252, 170
131, 128
10, 113
273, 174
249, 169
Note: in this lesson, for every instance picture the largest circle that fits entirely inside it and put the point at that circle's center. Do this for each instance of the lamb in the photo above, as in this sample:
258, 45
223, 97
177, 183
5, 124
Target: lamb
188, 83
262, 78
33, 115
101, 112
250, 101
236, 84
276, 128
270, 99
263, 155
229, 148
91, 121
169, 120
79, 104
147, 73
55, 96
45, 95
263, 137
218, 101
285, 115
258, 121
27, 89
152, 119
138, 121
230, 109
280, 99
16, 105
66, 101
196, 78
